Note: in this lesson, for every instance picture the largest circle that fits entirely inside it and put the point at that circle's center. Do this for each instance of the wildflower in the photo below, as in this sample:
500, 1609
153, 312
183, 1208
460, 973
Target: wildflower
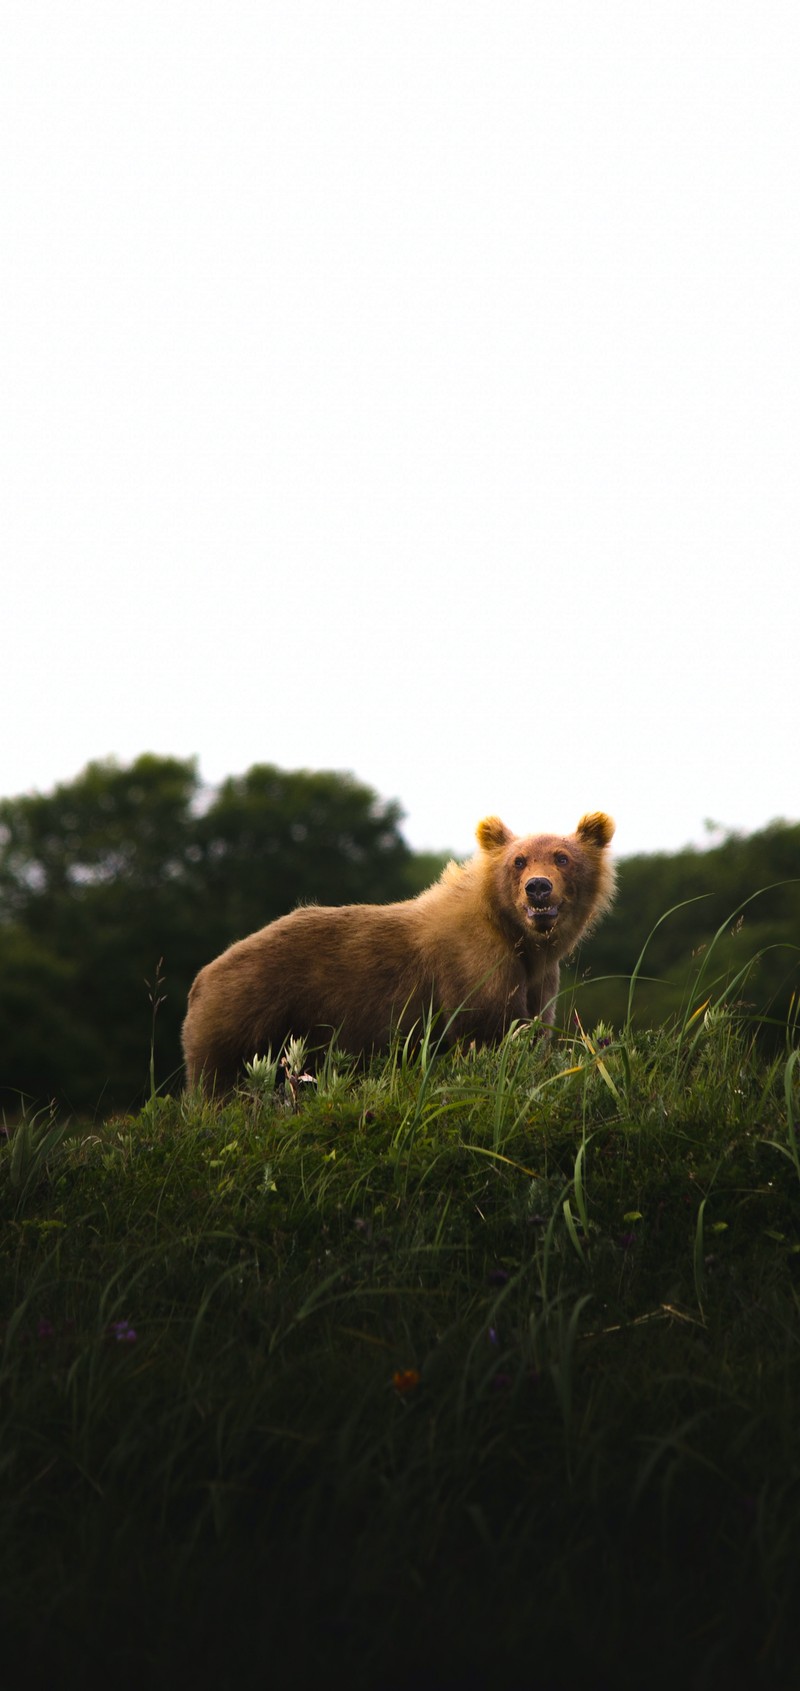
405, 1380
45, 1328
261, 1075
498, 1276
502, 1381
626, 1240
492, 1336
123, 1332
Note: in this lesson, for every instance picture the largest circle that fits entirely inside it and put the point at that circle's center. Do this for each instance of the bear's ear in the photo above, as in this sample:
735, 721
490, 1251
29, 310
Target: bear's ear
596, 829
491, 833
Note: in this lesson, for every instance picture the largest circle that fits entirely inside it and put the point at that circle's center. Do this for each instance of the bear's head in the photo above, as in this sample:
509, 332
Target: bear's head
548, 887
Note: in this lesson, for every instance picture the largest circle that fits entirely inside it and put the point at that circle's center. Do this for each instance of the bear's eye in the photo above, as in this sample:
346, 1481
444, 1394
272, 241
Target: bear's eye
519, 862
560, 857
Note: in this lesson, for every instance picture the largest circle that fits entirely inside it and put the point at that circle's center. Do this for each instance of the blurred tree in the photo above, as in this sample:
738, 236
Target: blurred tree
98, 880
122, 869
274, 837
109, 825
46, 1046
422, 869
703, 892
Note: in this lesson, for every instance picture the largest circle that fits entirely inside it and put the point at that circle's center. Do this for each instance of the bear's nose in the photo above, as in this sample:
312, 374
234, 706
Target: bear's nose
538, 889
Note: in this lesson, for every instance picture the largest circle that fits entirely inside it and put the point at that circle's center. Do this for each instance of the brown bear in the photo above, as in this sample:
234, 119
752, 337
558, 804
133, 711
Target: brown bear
479, 948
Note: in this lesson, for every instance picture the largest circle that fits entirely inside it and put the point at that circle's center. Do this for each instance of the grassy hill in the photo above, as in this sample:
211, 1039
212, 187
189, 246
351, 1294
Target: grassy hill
471, 1370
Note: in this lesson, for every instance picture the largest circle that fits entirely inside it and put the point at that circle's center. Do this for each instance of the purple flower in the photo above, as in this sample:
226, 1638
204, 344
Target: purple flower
498, 1276
502, 1381
123, 1332
493, 1339
45, 1328
626, 1240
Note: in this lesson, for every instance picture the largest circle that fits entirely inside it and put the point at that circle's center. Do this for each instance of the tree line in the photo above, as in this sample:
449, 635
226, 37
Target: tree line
117, 886
126, 873
723, 922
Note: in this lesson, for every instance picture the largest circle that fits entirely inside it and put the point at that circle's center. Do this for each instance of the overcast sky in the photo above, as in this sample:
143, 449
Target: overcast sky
408, 387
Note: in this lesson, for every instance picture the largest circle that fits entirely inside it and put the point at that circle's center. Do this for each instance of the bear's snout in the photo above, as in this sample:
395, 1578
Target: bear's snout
538, 889
542, 907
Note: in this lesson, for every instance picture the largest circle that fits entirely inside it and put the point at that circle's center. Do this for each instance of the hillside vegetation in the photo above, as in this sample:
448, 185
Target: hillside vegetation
458, 1370
479, 1369
729, 916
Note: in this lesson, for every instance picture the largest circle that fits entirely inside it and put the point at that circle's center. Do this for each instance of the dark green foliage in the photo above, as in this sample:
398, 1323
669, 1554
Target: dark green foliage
124, 869
460, 1372
274, 836
751, 885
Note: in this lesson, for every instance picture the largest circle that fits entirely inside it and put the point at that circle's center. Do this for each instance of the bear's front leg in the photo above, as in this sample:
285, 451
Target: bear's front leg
542, 994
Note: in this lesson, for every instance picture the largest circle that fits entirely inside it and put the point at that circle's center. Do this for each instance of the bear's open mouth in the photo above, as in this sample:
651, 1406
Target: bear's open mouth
545, 919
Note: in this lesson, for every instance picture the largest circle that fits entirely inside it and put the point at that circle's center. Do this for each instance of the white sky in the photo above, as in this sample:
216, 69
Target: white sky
409, 387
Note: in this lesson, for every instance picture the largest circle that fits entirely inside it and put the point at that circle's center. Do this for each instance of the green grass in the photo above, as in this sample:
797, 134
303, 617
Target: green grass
480, 1369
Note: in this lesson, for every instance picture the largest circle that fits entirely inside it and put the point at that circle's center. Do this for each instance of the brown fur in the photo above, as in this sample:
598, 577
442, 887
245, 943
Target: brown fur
470, 947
